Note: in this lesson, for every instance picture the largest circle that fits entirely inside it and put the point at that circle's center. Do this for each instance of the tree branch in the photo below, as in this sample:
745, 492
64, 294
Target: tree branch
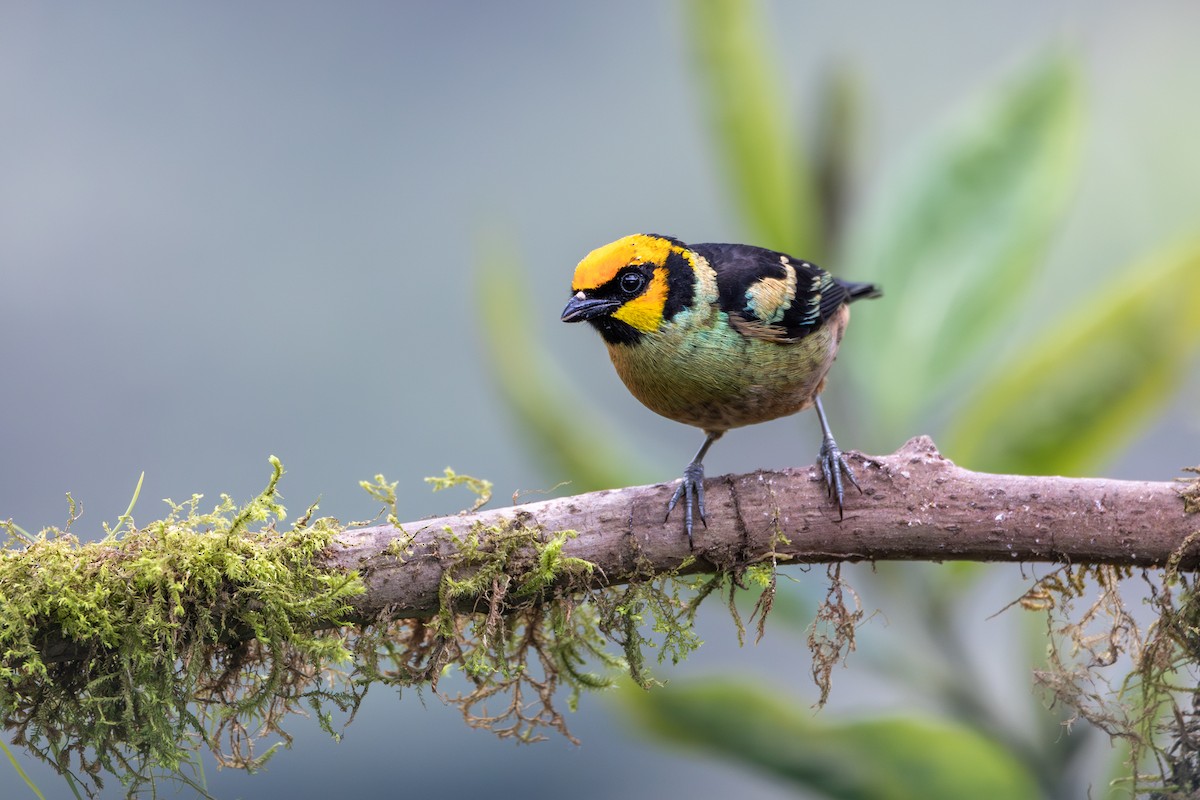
915, 505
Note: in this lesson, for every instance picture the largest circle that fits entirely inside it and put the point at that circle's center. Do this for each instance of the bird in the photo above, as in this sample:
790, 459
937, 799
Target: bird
718, 336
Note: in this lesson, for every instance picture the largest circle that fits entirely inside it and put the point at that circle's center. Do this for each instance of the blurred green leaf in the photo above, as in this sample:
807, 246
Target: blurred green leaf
955, 237
761, 154
1119, 785
1064, 401
878, 758
835, 148
560, 427
16, 765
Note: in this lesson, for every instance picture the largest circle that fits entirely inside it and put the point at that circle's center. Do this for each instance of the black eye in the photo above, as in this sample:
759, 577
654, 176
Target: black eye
632, 282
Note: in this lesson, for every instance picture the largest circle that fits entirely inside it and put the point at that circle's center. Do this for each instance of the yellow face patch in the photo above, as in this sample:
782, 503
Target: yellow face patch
602, 264
645, 312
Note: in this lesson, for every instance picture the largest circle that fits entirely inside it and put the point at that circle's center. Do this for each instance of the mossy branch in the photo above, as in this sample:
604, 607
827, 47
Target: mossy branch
915, 506
211, 628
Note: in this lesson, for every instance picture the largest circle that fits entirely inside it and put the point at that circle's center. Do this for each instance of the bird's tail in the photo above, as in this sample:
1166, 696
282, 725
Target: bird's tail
860, 291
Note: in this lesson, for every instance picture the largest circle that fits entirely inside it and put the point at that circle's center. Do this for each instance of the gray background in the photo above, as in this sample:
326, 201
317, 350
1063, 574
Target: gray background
231, 230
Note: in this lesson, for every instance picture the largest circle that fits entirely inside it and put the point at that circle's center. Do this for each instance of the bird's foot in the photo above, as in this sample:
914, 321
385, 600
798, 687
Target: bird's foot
833, 467
691, 489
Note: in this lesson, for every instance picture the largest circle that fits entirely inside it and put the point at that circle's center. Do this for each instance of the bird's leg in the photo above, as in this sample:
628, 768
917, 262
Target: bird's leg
833, 463
691, 488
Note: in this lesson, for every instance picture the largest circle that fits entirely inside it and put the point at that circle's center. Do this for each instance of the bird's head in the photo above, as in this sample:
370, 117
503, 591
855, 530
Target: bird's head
632, 287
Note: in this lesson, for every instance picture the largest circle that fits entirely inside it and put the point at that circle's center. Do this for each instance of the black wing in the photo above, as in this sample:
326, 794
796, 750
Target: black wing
775, 295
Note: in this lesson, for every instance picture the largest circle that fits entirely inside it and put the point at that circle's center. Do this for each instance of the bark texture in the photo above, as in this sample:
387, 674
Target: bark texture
915, 505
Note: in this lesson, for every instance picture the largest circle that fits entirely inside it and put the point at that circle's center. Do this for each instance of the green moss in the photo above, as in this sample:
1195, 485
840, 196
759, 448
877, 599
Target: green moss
653, 613
482, 488
118, 655
205, 630
1191, 492
385, 492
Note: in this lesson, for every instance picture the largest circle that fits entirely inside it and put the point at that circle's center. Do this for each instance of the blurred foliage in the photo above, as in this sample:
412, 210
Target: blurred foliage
1088, 381
959, 236
955, 236
768, 175
881, 758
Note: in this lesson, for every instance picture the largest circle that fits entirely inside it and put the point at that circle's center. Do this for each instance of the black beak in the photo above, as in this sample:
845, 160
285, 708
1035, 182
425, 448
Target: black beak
582, 307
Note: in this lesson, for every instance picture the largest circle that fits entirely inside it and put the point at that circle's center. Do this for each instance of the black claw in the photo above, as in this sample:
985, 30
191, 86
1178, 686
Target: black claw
691, 489
833, 467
